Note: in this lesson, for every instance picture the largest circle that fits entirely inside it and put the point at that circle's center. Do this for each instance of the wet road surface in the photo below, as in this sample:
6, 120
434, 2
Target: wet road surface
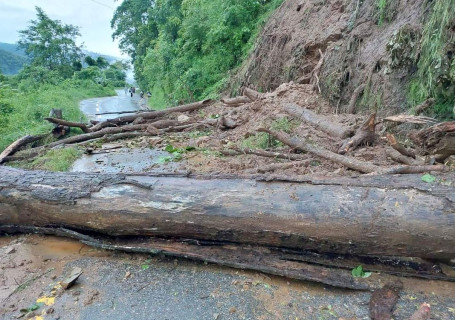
121, 102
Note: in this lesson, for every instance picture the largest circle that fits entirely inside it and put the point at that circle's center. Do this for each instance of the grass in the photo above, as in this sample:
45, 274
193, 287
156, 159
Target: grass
386, 11
436, 67
23, 112
158, 100
53, 160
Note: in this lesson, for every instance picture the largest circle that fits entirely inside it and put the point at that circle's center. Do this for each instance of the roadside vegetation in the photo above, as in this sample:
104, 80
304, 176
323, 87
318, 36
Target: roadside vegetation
185, 50
58, 76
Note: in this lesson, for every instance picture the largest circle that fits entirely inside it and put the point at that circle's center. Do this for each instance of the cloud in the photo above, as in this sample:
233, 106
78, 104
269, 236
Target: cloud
92, 16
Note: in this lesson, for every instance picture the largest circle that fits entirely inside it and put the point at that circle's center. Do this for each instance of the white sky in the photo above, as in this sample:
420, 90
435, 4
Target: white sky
91, 16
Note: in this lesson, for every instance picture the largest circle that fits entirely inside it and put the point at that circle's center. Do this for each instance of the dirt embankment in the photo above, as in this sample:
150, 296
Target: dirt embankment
353, 36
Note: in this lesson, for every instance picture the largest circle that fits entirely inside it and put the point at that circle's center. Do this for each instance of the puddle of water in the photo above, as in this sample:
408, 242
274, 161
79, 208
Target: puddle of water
125, 160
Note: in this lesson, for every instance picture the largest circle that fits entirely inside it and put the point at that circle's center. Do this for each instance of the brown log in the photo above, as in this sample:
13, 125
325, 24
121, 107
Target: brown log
62, 122
349, 162
237, 101
126, 135
413, 169
271, 154
279, 166
355, 96
399, 147
318, 121
16, 145
364, 135
424, 106
157, 114
399, 157
252, 94
365, 215
437, 139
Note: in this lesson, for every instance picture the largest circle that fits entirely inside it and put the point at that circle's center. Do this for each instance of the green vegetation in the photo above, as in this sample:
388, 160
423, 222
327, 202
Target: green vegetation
184, 49
22, 112
436, 66
53, 160
55, 78
386, 10
11, 63
358, 272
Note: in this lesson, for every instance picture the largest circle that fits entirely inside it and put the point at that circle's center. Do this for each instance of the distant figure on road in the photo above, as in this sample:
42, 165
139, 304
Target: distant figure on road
131, 92
126, 90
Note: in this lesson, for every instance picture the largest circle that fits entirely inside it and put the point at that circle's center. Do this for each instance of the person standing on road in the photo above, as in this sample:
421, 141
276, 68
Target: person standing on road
126, 90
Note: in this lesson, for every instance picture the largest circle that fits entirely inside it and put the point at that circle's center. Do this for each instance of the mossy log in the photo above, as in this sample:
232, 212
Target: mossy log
372, 215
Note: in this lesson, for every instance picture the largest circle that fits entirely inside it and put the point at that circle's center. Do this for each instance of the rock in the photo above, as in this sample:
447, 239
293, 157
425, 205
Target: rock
183, 118
423, 313
71, 279
10, 250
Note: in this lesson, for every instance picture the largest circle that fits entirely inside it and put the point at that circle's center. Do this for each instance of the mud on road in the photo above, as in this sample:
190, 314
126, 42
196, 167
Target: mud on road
126, 286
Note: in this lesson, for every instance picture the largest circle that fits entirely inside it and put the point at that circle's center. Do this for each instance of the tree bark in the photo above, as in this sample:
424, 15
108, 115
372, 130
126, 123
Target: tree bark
16, 145
373, 215
364, 135
237, 101
349, 162
62, 122
333, 129
252, 94
162, 113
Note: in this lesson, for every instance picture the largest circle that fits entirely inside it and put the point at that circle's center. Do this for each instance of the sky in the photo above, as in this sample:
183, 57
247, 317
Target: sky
91, 16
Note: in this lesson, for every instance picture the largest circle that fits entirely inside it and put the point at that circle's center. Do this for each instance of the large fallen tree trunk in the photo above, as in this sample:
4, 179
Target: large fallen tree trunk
16, 145
333, 129
374, 215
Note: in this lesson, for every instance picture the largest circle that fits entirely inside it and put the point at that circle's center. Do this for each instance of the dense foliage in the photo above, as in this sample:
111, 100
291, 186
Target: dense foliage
54, 78
186, 48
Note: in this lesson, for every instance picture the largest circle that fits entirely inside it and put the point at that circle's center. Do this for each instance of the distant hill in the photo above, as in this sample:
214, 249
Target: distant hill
11, 63
13, 59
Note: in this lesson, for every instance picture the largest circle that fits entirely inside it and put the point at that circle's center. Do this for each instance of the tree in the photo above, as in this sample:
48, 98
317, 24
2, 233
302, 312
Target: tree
90, 61
50, 43
101, 62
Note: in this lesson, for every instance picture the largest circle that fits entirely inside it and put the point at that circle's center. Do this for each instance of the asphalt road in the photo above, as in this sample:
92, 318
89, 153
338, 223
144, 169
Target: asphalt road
121, 102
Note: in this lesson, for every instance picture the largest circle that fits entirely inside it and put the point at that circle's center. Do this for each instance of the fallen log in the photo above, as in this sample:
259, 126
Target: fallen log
157, 114
236, 101
401, 158
349, 162
279, 166
16, 145
62, 122
364, 135
252, 94
333, 129
269, 154
399, 147
375, 215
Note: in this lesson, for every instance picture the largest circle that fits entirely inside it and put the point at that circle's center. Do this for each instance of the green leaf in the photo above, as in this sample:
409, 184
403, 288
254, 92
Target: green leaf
428, 178
190, 148
145, 266
164, 159
170, 148
358, 272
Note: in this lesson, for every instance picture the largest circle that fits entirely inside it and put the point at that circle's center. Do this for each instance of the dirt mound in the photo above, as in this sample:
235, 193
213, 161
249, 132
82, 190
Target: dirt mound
354, 37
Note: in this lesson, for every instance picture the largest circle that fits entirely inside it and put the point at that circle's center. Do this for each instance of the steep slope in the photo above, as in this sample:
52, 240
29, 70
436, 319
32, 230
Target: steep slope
381, 47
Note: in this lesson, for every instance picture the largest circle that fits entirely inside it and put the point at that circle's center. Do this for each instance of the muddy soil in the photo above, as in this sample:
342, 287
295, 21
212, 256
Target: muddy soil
125, 286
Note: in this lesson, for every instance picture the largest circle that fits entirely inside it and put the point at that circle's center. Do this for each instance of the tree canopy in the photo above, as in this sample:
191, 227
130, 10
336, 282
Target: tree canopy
51, 43
186, 48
